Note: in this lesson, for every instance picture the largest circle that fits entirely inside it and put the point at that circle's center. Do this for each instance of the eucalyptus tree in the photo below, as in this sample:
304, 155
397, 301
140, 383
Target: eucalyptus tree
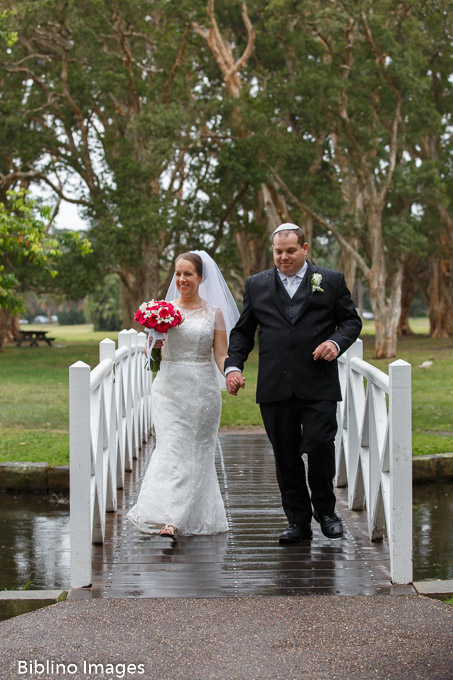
356, 75
229, 34
326, 100
431, 144
109, 92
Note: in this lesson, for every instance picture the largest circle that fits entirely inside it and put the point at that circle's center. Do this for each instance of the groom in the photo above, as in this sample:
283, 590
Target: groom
306, 318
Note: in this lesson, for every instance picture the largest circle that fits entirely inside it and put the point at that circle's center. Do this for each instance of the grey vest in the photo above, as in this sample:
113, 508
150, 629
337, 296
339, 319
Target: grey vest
292, 306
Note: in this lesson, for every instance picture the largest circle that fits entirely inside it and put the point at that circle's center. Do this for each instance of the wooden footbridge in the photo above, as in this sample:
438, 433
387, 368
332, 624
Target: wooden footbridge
111, 559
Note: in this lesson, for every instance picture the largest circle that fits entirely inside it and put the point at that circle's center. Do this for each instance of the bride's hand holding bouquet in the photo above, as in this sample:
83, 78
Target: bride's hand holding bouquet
157, 317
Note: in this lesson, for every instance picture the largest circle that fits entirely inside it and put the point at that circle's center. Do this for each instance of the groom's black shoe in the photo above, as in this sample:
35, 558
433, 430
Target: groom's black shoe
296, 532
331, 525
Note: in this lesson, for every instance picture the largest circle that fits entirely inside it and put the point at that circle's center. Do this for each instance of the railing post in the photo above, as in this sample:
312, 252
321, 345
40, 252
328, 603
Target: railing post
147, 377
346, 432
141, 339
355, 399
135, 392
400, 454
355, 350
124, 340
80, 474
107, 350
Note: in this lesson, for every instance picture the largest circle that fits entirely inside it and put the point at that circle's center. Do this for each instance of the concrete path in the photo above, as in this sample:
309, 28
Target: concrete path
280, 638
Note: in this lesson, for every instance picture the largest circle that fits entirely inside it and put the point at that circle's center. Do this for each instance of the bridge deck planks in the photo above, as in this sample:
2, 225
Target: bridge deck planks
248, 561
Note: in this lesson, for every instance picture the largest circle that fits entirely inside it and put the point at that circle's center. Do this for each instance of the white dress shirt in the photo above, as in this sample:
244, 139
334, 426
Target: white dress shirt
293, 282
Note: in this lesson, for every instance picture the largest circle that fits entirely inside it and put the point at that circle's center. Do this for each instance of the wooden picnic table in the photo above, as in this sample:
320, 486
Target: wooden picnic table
33, 338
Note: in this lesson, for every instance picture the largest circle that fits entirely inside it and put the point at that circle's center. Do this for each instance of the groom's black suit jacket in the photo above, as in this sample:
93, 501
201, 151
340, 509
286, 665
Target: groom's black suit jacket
289, 332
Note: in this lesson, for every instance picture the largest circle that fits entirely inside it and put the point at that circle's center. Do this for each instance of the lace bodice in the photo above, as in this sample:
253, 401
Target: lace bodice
193, 339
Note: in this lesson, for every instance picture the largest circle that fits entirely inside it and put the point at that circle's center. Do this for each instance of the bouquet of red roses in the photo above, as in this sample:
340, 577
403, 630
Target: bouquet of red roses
157, 317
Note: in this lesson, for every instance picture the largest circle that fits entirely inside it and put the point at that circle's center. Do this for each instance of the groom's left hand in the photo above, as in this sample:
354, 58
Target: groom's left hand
326, 350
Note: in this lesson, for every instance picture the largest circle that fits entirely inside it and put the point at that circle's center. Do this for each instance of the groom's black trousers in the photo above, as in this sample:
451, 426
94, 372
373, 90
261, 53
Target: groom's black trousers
299, 426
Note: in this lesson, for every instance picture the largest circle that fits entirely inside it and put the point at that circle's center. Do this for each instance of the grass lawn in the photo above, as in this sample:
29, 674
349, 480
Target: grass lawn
34, 392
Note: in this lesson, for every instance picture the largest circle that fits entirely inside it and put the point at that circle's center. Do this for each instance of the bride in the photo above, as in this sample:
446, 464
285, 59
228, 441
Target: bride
180, 491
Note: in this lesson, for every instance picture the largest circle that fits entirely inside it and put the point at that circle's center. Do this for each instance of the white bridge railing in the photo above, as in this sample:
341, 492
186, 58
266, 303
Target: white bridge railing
374, 452
109, 419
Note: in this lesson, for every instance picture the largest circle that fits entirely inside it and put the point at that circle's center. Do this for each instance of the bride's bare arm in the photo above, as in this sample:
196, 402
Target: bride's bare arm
235, 379
220, 348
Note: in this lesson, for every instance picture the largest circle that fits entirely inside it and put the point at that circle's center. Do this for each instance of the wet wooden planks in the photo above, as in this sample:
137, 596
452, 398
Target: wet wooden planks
248, 561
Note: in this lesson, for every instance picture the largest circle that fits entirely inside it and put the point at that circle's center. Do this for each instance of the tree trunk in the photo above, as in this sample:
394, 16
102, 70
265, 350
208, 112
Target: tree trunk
252, 252
359, 295
271, 208
14, 328
411, 276
440, 302
386, 309
440, 286
274, 204
139, 285
385, 287
404, 327
5, 317
348, 265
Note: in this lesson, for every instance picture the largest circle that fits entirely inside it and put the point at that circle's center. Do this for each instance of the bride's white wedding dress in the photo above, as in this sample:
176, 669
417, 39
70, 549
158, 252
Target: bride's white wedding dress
180, 486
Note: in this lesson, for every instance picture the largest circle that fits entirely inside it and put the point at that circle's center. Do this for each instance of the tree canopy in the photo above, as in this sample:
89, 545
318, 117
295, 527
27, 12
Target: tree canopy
28, 254
209, 126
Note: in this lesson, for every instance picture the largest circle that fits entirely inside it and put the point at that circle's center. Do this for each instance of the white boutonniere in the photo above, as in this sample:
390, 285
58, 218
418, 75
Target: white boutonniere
316, 283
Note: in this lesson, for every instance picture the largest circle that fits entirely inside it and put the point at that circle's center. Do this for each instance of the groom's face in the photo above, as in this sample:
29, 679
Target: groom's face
289, 255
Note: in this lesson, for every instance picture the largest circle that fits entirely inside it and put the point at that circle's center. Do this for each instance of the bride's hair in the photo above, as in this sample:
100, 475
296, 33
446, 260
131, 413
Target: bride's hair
195, 259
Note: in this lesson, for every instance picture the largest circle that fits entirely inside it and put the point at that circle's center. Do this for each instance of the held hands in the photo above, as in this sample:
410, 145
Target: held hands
234, 381
326, 350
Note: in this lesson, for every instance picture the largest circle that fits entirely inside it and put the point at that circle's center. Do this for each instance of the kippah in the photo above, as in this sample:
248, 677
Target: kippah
284, 227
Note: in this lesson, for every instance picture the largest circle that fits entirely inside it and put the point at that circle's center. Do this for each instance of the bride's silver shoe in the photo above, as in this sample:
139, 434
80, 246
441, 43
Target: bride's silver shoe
168, 530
